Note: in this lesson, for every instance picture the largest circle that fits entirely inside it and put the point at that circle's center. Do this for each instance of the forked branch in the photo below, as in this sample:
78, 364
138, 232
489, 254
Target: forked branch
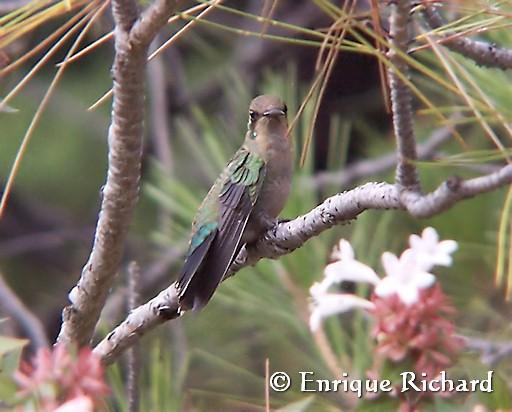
133, 34
285, 237
482, 53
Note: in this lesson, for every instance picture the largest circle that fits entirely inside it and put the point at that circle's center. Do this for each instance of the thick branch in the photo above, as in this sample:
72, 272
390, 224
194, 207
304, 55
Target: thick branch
140, 321
28, 322
121, 190
285, 237
401, 99
482, 53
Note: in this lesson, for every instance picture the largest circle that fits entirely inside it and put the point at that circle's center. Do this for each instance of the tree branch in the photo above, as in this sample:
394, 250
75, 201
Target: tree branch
120, 193
399, 22
452, 191
285, 237
140, 321
482, 53
28, 322
151, 21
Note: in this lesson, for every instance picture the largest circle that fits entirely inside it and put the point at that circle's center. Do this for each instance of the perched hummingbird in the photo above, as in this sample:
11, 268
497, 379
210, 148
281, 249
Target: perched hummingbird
244, 201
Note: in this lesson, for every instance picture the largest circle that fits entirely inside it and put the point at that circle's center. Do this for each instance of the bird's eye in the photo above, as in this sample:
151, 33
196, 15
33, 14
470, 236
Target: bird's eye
285, 109
253, 115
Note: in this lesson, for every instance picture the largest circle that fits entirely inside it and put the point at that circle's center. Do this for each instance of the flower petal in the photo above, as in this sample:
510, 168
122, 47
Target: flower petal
408, 293
78, 404
448, 246
390, 263
333, 303
318, 289
415, 241
343, 251
430, 236
387, 286
423, 280
350, 270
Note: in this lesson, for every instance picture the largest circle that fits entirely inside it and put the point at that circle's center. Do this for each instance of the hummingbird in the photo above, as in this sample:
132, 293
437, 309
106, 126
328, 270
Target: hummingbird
244, 201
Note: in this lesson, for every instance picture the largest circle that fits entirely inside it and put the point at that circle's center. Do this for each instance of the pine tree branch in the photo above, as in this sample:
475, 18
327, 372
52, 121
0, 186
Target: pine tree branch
482, 53
452, 191
285, 237
120, 194
401, 98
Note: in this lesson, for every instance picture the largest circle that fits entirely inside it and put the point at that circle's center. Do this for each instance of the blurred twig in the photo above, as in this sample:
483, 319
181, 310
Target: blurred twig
491, 353
364, 168
159, 111
483, 53
120, 194
28, 322
20, 245
300, 300
151, 279
133, 355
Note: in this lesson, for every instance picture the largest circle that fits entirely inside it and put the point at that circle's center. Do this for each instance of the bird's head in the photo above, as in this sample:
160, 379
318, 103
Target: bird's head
267, 118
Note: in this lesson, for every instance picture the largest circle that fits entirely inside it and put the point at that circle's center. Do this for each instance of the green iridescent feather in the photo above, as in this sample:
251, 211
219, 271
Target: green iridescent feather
245, 169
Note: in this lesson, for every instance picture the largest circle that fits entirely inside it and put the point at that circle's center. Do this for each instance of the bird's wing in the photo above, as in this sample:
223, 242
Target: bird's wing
216, 243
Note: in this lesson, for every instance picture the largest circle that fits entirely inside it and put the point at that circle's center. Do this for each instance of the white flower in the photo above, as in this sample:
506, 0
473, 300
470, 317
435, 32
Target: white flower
343, 251
429, 251
347, 268
328, 304
404, 277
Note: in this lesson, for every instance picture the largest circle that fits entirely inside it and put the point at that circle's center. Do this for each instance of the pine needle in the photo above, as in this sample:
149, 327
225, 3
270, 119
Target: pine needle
91, 16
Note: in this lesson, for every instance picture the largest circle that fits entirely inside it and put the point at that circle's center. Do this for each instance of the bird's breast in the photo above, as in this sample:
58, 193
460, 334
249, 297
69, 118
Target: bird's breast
273, 193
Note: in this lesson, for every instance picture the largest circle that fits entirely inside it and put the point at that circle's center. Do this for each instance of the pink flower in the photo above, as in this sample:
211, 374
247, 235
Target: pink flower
56, 379
420, 332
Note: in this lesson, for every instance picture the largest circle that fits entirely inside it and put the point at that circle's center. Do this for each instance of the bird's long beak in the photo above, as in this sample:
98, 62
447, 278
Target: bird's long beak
273, 113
